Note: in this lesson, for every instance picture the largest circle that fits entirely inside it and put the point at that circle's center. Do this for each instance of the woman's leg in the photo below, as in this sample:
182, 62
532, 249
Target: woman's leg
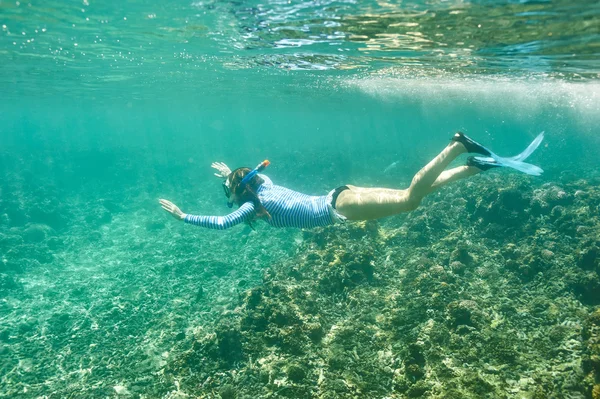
452, 175
358, 203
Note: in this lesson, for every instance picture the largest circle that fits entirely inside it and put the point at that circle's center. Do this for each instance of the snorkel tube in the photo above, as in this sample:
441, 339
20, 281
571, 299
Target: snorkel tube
259, 168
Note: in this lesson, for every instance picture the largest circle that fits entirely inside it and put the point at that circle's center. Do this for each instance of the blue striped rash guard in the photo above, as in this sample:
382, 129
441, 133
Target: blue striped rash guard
287, 208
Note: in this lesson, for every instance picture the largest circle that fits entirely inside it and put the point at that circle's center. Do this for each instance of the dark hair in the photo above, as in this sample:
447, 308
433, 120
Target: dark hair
247, 192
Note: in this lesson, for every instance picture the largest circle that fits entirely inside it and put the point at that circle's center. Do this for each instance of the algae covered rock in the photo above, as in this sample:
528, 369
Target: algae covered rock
465, 313
296, 372
461, 255
586, 286
509, 207
549, 196
347, 270
227, 392
229, 343
588, 257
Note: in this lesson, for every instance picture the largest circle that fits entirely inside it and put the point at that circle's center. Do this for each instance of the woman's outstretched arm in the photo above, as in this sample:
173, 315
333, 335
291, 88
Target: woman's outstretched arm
244, 213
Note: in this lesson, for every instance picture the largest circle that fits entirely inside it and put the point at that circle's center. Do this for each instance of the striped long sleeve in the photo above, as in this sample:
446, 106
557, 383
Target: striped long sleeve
244, 213
287, 208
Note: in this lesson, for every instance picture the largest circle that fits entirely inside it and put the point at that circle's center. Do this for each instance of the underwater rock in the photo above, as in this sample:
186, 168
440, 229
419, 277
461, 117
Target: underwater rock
296, 372
508, 208
418, 390
346, 271
229, 343
291, 340
315, 331
557, 212
511, 252
464, 313
477, 385
461, 255
527, 262
36, 233
458, 267
588, 257
586, 286
401, 383
544, 199
415, 363
227, 392
532, 264
501, 349
419, 232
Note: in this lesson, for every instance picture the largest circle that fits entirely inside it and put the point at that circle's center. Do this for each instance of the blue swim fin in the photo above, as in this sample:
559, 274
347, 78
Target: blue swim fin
516, 162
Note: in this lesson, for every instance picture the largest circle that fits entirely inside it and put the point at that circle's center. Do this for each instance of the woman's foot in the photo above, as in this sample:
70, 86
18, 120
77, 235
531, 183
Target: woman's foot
471, 145
483, 165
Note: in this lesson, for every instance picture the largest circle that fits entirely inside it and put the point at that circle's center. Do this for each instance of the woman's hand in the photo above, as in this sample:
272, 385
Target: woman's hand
223, 169
172, 209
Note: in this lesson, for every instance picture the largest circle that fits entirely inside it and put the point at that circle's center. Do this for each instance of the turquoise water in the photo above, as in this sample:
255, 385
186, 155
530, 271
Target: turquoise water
490, 289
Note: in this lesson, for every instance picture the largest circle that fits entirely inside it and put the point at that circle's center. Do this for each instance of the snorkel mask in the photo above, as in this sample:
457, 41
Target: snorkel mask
259, 168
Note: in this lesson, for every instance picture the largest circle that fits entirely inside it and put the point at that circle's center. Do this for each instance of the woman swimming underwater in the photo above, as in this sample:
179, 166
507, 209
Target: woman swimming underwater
258, 198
